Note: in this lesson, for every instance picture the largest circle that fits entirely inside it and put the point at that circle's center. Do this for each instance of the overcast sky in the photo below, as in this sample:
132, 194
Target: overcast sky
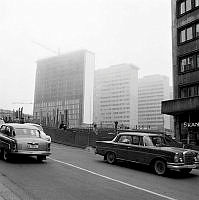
117, 31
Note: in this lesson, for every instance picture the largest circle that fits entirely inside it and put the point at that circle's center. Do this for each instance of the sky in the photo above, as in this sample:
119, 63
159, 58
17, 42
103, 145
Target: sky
117, 31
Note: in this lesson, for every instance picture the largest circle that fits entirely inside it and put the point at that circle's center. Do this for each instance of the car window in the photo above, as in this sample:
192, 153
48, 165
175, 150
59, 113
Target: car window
125, 139
3, 128
158, 140
8, 129
27, 132
147, 141
137, 140
171, 142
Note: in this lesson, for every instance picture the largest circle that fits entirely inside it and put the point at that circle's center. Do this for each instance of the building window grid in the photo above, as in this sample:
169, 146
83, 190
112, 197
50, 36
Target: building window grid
189, 63
185, 6
189, 91
188, 33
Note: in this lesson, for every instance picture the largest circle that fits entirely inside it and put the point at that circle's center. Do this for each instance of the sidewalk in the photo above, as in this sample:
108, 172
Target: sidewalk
6, 194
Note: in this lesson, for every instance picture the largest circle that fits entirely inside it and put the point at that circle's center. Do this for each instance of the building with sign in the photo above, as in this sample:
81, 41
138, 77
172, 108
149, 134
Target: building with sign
64, 89
185, 47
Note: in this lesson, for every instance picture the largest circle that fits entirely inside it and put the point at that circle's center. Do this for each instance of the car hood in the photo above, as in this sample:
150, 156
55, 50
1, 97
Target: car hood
174, 149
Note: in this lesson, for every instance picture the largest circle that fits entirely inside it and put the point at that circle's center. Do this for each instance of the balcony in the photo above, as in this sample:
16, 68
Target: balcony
178, 106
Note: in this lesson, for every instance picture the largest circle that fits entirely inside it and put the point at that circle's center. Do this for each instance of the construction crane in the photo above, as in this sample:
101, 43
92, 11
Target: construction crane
47, 48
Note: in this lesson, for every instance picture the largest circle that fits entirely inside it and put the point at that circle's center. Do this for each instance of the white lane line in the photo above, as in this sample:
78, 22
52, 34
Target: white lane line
115, 180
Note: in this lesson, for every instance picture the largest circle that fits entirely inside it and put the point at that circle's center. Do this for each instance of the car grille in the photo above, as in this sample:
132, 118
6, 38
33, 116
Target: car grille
188, 158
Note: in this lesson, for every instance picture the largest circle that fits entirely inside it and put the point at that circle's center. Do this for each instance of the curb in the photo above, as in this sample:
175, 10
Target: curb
6, 194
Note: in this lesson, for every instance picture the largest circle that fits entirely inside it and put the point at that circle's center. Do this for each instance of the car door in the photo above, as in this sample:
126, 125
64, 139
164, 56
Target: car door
123, 144
2, 131
136, 149
5, 136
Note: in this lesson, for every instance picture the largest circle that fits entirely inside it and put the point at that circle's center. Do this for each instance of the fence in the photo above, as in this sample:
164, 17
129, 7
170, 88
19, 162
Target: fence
79, 137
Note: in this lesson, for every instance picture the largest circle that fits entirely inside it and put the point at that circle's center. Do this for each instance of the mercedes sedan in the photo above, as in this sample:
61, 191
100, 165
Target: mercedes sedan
22, 139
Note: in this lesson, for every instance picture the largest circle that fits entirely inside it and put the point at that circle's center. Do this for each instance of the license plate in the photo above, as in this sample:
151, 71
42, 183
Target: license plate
33, 146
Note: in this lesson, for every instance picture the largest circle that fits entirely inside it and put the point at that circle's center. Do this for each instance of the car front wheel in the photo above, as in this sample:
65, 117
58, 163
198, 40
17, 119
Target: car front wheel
110, 157
160, 167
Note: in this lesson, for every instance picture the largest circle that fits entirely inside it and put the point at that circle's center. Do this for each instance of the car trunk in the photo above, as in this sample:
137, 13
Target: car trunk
31, 144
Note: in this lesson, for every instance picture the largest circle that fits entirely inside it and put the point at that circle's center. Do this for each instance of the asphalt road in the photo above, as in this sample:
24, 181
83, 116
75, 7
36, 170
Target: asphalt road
75, 174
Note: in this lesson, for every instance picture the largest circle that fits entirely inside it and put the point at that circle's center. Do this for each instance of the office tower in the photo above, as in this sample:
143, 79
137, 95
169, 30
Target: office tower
115, 96
64, 89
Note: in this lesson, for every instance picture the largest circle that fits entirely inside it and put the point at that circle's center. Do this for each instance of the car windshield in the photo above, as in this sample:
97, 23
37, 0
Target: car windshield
27, 132
36, 125
158, 140
154, 141
39, 127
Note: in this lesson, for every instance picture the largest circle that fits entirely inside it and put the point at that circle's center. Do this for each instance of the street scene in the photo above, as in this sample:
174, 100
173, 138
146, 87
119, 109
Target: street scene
99, 99
73, 173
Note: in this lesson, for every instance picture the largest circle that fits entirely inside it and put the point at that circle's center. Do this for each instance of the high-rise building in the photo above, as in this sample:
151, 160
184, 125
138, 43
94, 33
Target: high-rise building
152, 90
185, 47
64, 89
115, 96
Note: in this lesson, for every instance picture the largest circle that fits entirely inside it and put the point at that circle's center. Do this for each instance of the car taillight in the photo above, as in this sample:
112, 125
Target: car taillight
48, 146
14, 146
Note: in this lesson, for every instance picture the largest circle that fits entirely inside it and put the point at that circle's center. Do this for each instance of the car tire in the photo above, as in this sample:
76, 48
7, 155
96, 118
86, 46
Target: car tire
185, 171
41, 158
1, 153
5, 155
110, 157
160, 167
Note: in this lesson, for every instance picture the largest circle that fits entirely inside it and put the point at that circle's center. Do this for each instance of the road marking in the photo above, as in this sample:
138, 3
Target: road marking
115, 180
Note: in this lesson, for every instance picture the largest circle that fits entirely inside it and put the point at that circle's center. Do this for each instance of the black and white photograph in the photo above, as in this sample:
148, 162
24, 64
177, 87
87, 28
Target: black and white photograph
99, 100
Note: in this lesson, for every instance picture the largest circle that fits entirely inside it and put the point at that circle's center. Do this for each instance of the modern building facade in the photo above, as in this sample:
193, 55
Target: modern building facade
152, 90
64, 89
116, 96
185, 46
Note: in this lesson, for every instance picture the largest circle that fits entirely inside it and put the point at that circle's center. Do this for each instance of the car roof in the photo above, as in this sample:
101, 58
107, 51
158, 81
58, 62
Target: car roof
35, 125
32, 124
17, 125
140, 133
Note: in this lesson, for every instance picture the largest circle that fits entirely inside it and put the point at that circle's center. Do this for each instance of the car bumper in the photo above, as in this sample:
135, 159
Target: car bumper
182, 166
32, 153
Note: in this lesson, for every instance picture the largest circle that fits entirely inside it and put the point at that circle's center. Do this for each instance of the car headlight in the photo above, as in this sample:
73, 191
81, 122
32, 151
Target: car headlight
196, 158
178, 158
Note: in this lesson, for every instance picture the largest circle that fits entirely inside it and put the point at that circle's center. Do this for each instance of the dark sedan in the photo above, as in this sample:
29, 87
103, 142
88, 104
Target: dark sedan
149, 149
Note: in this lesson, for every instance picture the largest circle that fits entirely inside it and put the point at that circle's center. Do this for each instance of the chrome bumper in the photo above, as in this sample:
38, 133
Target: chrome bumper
32, 153
182, 166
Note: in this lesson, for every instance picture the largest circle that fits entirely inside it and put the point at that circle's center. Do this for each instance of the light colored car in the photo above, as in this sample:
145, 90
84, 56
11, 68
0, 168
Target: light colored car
22, 139
42, 133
